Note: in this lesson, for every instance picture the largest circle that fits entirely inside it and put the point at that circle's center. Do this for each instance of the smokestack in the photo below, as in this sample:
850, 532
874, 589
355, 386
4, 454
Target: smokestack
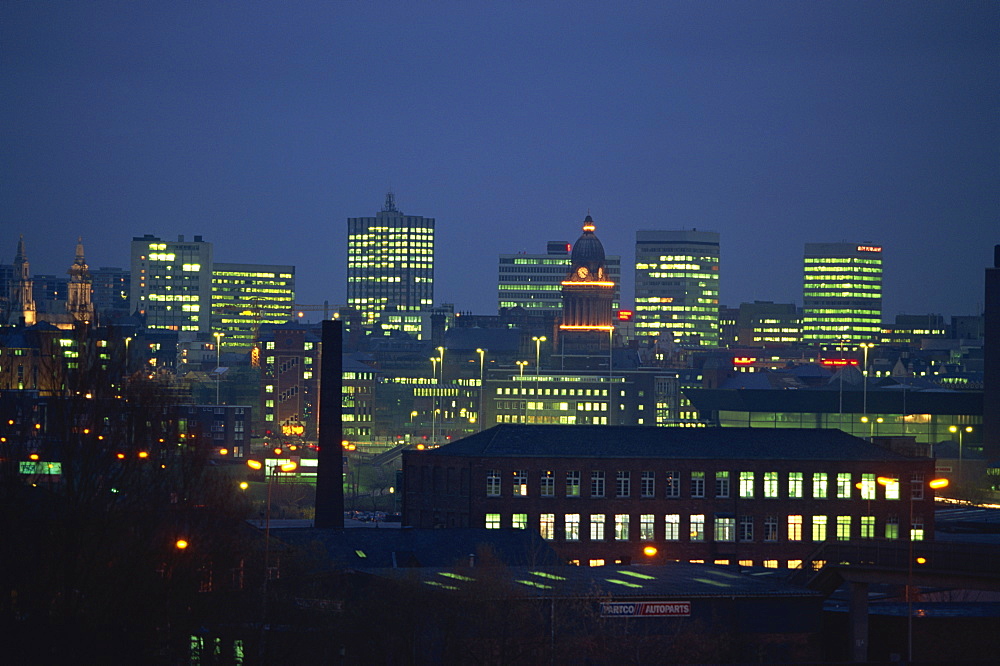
330, 473
991, 361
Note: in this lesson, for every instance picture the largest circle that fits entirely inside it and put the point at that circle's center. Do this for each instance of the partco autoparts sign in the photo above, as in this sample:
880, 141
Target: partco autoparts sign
646, 609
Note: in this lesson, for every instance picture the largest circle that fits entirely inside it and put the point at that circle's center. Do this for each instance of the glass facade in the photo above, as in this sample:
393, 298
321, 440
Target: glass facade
534, 281
245, 296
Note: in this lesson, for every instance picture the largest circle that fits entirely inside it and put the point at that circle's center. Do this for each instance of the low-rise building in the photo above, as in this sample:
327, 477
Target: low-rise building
604, 495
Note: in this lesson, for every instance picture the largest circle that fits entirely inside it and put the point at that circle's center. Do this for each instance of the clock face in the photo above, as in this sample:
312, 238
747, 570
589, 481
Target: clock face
582, 271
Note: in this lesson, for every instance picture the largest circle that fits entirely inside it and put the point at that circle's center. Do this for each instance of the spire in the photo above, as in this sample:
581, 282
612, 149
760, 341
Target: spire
79, 252
20, 257
588, 224
390, 203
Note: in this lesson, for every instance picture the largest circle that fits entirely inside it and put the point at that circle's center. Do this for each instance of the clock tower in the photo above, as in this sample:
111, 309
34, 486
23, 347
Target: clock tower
587, 292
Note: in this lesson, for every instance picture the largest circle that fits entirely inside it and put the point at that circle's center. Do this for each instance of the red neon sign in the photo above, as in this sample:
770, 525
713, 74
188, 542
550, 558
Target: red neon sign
869, 248
624, 315
744, 360
839, 361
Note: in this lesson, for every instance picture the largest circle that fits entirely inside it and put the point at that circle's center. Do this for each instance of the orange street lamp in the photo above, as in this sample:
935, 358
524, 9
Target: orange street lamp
181, 544
649, 551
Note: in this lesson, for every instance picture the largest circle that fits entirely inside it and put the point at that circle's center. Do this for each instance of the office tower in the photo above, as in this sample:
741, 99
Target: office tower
246, 296
390, 263
172, 283
78, 300
110, 292
991, 360
677, 286
534, 281
841, 293
764, 324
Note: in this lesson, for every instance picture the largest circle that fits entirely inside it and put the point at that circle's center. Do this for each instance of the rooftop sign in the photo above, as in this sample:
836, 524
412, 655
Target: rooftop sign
646, 609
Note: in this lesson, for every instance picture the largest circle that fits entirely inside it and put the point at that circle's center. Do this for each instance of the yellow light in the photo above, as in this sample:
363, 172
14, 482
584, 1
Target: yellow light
420, 447
33, 456
864, 419
938, 483
86, 431
649, 551
223, 452
254, 464
277, 451
952, 428
181, 544
38, 426
143, 454
244, 485
289, 466
120, 456
921, 560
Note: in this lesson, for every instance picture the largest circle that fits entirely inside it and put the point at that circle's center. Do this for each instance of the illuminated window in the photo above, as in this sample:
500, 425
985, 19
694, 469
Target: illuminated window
548, 481
770, 564
547, 526
646, 527
725, 528
673, 484
519, 521
892, 527
770, 484
819, 485
843, 528
493, 483
621, 527
697, 527
868, 485
819, 528
597, 527
672, 525
623, 484
794, 564
648, 487
520, 478
892, 489
572, 524
746, 528
746, 485
722, 484
867, 527
597, 483
917, 529
573, 483
697, 484
795, 484
844, 485
493, 521
795, 528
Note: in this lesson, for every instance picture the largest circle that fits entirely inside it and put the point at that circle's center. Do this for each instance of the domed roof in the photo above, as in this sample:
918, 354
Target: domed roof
588, 251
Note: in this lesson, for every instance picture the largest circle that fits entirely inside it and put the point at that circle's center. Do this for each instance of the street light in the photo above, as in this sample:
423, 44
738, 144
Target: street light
871, 428
538, 351
521, 365
865, 346
441, 358
482, 356
961, 432
218, 362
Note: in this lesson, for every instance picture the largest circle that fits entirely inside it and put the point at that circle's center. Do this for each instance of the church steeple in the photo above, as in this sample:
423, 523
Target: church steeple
79, 303
22, 300
587, 291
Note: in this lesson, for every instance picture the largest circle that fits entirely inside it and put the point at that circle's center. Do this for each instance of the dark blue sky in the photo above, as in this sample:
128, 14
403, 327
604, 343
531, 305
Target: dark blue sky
263, 126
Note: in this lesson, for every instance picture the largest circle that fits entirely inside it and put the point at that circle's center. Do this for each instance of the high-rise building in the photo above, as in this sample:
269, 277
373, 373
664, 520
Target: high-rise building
246, 296
841, 293
111, 288
677, 286
172, 283
390, 262
534, 281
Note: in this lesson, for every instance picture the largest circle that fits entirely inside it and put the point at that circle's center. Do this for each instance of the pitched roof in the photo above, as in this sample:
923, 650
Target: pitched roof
579, 441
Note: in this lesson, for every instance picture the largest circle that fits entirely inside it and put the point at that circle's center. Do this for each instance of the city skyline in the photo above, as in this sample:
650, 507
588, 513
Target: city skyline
774, 124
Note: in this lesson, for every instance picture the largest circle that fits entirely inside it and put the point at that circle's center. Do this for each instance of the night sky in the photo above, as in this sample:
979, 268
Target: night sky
263, 126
